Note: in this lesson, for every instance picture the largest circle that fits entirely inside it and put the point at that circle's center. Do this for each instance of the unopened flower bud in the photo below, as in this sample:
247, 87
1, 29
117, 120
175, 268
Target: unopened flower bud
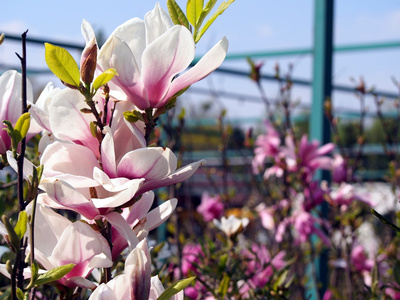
89, 61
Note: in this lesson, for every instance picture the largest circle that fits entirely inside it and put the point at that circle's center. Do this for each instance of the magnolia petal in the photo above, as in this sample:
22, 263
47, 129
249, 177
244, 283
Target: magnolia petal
49, 226
325, 149
120, 198
103, 292
207, 64
65, 195
87, 244
108, 154
40, 110
167, 56
87, 32
138, 270
68, 160
132, 32
10, 96
160, 214
156, 288
177, 176
79, 281
157, 22
111, 185
149, 163
139, 209
27, 167
68, 122
123, 228
124, 62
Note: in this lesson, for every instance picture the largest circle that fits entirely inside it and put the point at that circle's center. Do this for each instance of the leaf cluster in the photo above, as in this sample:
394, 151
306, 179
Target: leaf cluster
196, 13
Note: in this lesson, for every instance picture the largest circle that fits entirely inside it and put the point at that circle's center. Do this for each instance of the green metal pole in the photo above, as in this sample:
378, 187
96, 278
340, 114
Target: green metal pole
319, 125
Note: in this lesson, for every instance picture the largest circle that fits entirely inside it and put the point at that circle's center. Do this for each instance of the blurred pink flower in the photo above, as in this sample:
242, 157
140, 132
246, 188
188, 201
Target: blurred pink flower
305, 225
360, 260
339, 169
267, 146
191, 254
306, 158
210, 207
345, 194
260, 266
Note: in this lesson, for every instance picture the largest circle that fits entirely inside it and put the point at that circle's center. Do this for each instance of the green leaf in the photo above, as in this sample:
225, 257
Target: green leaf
9, 129
281, 279
22, 126
176, 14
62, 64
93, 129
224, 5
175, 288
224, 285
12, 235
20, 294
133, 116
104, 77
54, 274
204, 13
193, 11
21, 226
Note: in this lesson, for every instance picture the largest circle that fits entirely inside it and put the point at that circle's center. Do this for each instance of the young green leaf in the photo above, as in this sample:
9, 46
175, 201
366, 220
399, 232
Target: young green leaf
224, 5
193, 11
175, 288
20, 294
204, 13
176, 14
224, 285
62, 64
12, 235
93, 129
104, 77
22, 126
54, 274
21, 226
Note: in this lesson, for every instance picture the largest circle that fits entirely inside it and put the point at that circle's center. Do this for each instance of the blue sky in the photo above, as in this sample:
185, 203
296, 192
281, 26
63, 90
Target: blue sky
250, 26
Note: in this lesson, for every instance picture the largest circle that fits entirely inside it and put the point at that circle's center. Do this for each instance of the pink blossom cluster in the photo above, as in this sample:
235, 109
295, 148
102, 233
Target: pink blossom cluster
301, 160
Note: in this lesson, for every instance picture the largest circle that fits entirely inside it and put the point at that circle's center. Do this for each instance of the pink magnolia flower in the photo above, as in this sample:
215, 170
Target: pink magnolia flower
74, 180
59, 242
149, 55
10, 106
261, 266
191, 254
305, 225
339, 169
359, 260
345, 194
306, 158
266, 146
134, 283
210, 207
362, 263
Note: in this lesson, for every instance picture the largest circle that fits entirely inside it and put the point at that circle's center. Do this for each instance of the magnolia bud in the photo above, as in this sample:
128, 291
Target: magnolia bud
89, 61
